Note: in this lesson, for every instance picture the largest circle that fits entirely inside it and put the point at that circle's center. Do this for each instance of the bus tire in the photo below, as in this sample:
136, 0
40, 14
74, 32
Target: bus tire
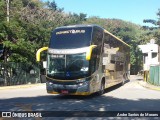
101, 92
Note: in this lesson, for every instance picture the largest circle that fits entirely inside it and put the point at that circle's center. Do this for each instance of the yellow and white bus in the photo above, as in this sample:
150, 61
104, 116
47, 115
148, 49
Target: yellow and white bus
84, 59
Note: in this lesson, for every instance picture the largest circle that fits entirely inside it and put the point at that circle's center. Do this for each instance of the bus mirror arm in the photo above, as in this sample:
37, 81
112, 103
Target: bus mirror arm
89, 51
38, 54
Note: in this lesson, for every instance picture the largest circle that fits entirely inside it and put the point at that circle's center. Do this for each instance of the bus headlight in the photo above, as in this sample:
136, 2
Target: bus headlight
49, 83
85, 83
83, 86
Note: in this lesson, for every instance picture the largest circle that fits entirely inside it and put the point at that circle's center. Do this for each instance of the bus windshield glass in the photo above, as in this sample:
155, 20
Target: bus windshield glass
67, 67
70, 38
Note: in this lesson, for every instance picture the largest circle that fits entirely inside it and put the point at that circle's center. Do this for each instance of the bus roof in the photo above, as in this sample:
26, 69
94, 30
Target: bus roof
79, 25
94, 25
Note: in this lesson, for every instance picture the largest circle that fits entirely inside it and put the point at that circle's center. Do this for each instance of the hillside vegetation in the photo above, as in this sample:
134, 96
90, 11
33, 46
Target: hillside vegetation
30, 22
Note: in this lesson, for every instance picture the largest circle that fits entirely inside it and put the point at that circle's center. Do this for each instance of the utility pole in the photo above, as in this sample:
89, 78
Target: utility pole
7, 1
5, 50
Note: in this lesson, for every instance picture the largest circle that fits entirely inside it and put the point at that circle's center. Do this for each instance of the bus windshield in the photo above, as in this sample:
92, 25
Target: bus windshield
70, 38
67, 67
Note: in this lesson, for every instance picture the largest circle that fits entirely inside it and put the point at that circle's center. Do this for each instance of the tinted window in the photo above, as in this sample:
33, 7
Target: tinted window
94, 62
97, 36
68, 67
96, 40
68, 38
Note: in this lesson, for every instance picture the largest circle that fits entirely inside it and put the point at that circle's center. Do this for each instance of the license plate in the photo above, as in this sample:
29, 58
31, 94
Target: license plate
64, 91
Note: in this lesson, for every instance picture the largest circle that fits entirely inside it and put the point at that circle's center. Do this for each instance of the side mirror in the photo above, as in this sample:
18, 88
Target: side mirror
45, 64
89, 51
38, 54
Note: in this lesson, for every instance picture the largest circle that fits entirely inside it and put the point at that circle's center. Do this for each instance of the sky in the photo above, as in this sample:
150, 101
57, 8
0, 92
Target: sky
134, 11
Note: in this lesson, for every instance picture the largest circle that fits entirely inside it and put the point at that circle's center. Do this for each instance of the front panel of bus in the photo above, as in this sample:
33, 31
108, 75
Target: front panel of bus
68, 71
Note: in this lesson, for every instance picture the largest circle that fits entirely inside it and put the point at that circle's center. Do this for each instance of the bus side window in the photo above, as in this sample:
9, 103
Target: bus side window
96, 40
94, 62
97, 36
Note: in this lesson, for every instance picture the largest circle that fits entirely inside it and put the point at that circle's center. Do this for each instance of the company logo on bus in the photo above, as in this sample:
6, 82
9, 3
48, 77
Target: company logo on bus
70, 32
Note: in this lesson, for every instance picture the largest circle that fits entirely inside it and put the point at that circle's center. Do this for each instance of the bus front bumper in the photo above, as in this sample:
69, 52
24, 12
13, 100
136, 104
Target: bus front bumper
76, 89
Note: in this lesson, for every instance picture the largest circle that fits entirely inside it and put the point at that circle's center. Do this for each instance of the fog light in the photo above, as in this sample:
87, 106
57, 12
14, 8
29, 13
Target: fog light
49, 83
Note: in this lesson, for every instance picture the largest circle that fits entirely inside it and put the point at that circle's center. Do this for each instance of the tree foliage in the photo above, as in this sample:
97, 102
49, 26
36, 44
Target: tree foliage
30, 25
31, 22
152, 32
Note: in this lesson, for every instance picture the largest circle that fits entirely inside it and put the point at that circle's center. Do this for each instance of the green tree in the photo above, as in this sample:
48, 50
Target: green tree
152, 32
30, 26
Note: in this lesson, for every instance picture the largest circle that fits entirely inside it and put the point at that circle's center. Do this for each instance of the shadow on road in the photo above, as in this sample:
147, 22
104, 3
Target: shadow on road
78, 103
139, 79
77, 97
92, 102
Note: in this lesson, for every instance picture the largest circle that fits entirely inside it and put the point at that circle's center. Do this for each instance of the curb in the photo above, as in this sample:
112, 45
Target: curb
20, 86
149, 86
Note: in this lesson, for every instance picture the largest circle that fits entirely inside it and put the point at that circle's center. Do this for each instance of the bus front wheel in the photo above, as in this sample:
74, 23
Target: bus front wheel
102, 88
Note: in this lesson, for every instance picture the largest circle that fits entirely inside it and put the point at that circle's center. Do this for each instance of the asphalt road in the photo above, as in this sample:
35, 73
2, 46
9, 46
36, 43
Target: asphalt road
129, 97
